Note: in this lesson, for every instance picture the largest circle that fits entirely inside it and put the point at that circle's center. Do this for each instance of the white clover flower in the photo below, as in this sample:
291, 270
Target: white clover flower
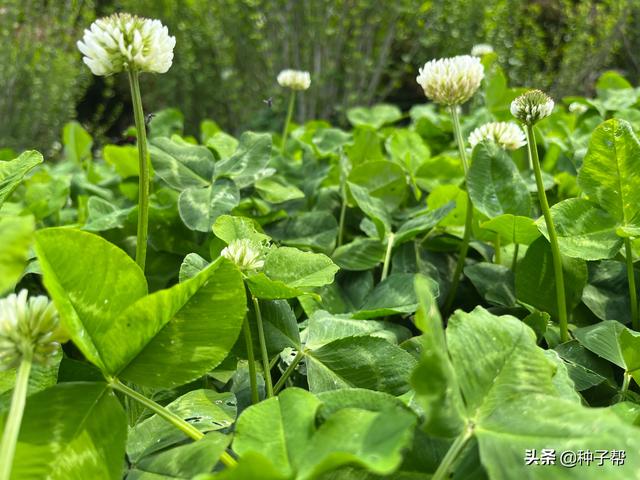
507, 135
246, 254
451, 81
481, 49
532, 106
127, 42
27, 325
294, 79
578, 108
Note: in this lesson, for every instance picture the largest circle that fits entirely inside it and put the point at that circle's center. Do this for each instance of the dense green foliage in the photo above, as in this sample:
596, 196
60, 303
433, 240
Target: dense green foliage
361, 372
556, 45
41, 75
228, 53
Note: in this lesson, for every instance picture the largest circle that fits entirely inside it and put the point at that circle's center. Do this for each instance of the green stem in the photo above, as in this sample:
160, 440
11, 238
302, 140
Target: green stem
343, 214
625, 382
462, 256
287, 373
497, 257
633, 293
285, 130
263, 348
455, 118
344, 171
468, 223
514, 262
133, 409
251, 358
273, 362
143, 179
387, 256
14, 418
168, 415
553, 238
444, 469
161, 411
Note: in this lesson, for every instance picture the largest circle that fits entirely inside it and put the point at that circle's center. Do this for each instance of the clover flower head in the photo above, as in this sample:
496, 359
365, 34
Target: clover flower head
578, 108
532, 106
247, 255
451, 81
481, 49
294, 79
126, 42
506, 135
27, 326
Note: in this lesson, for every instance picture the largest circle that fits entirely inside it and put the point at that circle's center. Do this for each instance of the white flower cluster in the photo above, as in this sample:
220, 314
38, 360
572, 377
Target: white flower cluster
246, 254
532, 106
27, 325
578, 108
127, 42
451, 81
294, 79
481, 49
507, 135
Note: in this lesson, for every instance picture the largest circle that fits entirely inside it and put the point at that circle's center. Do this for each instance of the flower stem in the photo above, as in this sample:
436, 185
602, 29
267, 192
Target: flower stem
625, 382
285, 130
14, 418
514, 262
143, 182
497, 257
387, 256
263, 348
273, 362
633, 294
468, 223
344, 171
251, 358
169, 416
455, 118
287, 373
444, 469
553, 238
343, 214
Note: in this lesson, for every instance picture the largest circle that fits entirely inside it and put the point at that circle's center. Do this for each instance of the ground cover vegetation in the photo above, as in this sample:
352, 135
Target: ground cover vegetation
447, 291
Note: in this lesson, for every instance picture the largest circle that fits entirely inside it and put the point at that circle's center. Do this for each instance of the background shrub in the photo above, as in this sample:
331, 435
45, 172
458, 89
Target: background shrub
41, 74
359, 52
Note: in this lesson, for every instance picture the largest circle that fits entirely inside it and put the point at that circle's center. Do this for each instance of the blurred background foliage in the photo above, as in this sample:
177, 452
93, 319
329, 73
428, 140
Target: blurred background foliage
359, 52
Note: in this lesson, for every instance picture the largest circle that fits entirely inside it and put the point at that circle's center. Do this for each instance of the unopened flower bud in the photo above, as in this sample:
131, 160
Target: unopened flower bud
28, 326
578, 108
246, 254
532, 106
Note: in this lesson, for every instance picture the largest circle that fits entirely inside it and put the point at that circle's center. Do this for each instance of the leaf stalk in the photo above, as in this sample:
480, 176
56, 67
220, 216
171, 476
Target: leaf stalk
287, 373
168, 415
251, 358
266, 366
387, 257
444, 469
631, 276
